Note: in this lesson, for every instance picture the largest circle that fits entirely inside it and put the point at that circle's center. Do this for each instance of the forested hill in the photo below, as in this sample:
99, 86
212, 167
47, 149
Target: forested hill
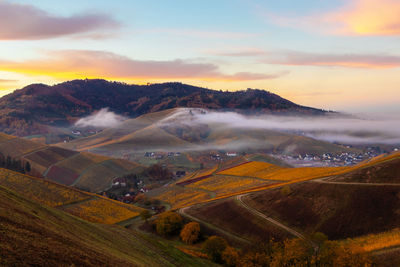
27, 111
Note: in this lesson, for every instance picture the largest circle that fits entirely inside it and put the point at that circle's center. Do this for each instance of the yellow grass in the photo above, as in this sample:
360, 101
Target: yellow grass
40, 190
376, 241
227, 184
16, 147
4, 137
183, 196
125, 164
97, 178
101, 210
199, 174
309, 173
250, 169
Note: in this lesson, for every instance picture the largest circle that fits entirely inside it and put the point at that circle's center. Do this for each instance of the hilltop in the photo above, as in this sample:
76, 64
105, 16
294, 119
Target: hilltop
32, 109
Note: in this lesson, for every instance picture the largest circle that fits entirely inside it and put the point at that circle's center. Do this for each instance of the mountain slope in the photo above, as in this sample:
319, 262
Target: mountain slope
36, 235
32, 109
83, 170
185, 129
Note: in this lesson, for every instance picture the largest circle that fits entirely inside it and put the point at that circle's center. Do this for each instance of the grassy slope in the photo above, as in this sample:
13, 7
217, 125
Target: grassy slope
66, 166
145, 132
32, 234
339, 211
386, 172
85, 205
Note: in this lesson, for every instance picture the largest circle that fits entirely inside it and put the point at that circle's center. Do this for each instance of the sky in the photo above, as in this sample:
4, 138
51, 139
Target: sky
333, 54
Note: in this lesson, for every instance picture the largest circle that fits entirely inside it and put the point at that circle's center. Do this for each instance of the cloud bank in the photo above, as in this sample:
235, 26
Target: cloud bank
345, 130
353, 18
26, 22
101, 119
299, 58
85, 63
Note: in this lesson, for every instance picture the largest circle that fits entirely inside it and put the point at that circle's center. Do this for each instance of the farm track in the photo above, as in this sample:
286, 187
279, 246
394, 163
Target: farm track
75, 202
322, 181
182, 211
86, 170
269, 219
48, 169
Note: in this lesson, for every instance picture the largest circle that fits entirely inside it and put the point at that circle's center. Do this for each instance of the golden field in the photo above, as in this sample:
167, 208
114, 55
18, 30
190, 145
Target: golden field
100, 210
221, 184
40, 190
376, 241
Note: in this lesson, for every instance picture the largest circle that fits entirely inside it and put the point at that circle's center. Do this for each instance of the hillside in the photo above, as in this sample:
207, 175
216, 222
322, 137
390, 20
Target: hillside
37, 235
31, 110
299, 202
84, 170
85, 205
191, 130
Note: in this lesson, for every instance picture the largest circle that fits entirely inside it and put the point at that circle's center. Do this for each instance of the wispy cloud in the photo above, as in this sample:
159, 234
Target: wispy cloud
377, 61
7, 81
369, 17
348, 130
354, 17
298, 58
103, 118
203, 34
84, 63
26, 22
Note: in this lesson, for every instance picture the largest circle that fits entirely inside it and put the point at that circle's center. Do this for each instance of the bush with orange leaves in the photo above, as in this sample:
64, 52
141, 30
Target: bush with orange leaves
230, 256
190, 233
168, 223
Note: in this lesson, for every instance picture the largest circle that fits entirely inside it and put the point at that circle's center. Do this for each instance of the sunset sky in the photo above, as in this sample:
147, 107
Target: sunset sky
332, 54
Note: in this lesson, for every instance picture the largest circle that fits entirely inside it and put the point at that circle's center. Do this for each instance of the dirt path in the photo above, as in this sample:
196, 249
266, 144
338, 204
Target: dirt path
322, 181
275, 222
182, 211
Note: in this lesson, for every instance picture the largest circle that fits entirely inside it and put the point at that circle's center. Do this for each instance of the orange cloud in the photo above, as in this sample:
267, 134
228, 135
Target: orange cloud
90, 64
331, 60
297, 58
369, 17
355, 17
26, 22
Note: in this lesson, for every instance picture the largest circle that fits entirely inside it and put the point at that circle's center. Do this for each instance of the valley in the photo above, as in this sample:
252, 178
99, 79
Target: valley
259, 188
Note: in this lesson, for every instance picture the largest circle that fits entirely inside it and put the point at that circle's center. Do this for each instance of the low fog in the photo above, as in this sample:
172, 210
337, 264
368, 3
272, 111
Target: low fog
333, 128
101, 119
351, 130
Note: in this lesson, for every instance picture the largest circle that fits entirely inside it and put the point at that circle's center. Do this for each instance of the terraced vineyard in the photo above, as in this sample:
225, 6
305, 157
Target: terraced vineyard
377, 241
100, 210
88, 171
39, 190
253, 169
221, 184
179, 196
87, 206
16, 147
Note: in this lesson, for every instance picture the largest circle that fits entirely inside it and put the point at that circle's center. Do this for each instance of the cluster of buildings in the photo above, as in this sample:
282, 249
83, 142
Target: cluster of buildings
220, 157
330, 159
161, 155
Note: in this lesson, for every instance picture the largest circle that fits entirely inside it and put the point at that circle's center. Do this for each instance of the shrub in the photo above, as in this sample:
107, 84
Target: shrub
145, 214
214, 246
168, 223
230, 256
190, 232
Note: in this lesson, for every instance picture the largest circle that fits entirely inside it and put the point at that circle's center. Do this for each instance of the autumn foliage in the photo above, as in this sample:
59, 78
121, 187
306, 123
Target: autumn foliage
190, 233
168, 223
214, 246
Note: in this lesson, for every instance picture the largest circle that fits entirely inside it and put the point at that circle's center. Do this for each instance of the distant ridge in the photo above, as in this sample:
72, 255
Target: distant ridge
30, 110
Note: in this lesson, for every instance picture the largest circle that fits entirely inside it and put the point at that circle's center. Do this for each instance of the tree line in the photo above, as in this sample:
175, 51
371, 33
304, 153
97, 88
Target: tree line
13, 164
290, 252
